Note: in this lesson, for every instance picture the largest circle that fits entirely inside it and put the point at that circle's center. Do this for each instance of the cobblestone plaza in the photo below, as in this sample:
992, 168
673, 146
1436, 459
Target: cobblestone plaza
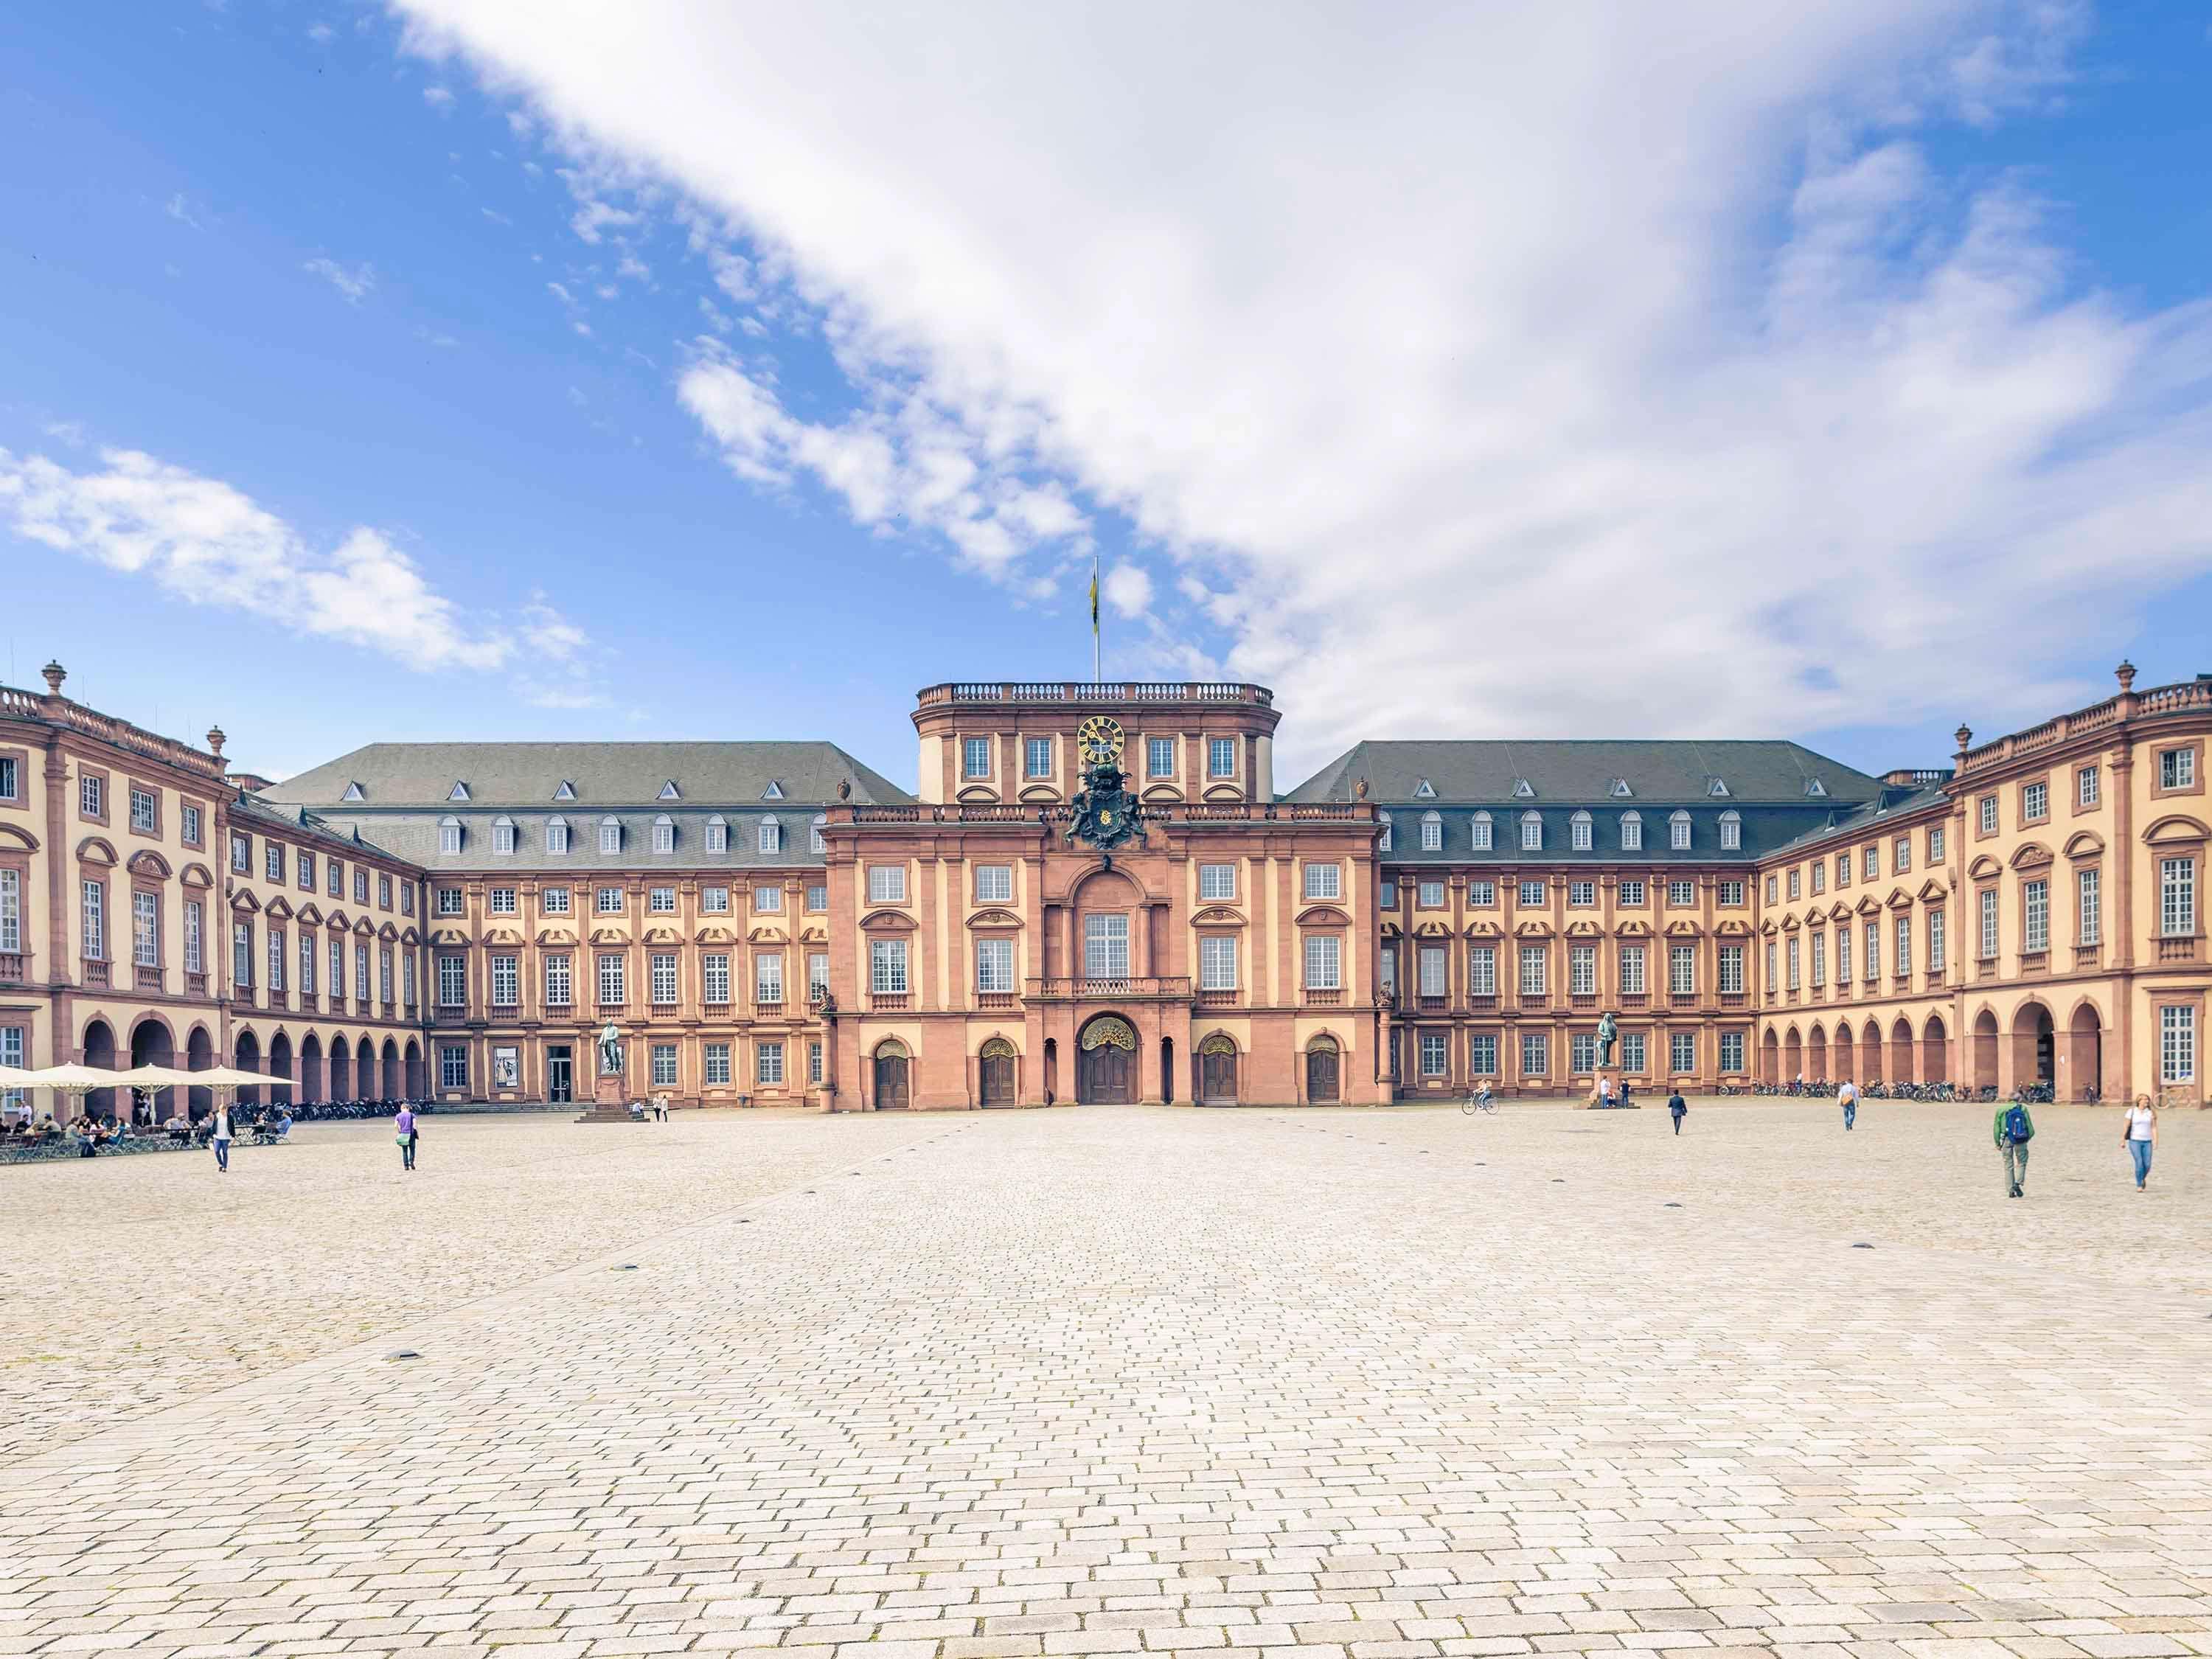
1374, 1384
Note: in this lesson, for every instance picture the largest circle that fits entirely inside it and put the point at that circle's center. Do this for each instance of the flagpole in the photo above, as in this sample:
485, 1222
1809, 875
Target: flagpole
1094, 618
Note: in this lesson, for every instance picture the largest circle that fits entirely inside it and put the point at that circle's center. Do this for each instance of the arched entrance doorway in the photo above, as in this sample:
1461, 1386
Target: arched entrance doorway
341, 1069
1870, 1054
1793, 1056
280, 1065
1846, 1054
417, 1083
1816, 1055
1986, 1051
391, 1070
2085, 1053
199, 1057
311, 1068
152, 1045
248, 1059
1217, 1071
1770, 1059
1934, 1051
1106, 1062
99, 1054
994, 1073
2034, 1045
1324, 1081
891, 1067
1900, 1051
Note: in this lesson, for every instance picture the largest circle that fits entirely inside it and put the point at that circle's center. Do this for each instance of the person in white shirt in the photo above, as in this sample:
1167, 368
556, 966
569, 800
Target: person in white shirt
1847, 1093
2139, 1134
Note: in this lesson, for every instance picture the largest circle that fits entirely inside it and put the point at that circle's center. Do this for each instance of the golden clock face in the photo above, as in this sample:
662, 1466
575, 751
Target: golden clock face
1100, 739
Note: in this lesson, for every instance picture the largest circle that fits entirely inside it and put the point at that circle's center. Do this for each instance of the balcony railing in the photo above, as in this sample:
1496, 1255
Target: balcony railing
1093, 692
1066, 988
1633, 999
1483, 1001
615, 1008
768, 1010
95, 974
2180, 949
13, 967
1318, 998
149, 979
1581, 999
1435, 1005
2034, 962
2088, 956
1004, 1002
890, 1002
1682, 998
1733, 999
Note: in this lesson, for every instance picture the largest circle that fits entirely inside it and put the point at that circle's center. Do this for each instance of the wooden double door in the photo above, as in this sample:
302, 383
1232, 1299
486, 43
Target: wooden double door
1106, 1062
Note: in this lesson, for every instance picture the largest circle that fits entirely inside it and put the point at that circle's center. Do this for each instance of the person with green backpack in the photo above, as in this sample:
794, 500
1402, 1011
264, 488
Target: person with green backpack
2012, 1130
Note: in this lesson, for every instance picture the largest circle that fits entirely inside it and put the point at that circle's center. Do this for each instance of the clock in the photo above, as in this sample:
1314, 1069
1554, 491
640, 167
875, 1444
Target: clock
1099, 740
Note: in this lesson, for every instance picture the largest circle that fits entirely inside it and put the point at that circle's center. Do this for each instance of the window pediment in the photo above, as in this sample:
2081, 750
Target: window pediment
409, 936
2030, 854
2173, 830
1634, 928
1869, 905
1217, 915
279, 910
1984, 868
1734, 927
661, 933
1481, 928
150, 863
502, 936
364, 927
1534, 930
556, 936
338, 920
1900, 900
603, 934
813, 933
448, 936
1322, 915
1684, 930
1431, 929
714, 933
767, 933
1584, 927
196, 874
243, 900
2085, 844
310, 917
1002, 919
887, 921
96, 849
1931, 890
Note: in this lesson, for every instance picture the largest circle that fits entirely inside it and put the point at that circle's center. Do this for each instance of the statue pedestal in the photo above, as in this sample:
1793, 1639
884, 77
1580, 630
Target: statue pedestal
1596, 1097
610, 1103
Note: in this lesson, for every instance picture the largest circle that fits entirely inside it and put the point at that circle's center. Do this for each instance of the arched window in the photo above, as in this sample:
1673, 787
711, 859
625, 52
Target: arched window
717, 834
1383, 845
1678, 831
1432, 833
771, 836
664, 834
611, 835
1578, 831
1632, 832
449, 835
502, 834
557, 835
1482, 834
1731, 831
1532, 831
814, 837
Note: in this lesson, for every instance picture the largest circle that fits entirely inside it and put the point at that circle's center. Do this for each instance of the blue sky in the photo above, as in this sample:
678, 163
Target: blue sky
489, 372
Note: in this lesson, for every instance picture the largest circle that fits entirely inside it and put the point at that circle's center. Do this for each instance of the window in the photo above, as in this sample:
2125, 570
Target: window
994, 884
146, 932
1532, 895
2085, 785
1731, 894
1773, 979
714, 1064
1582, 970
195, 946
609, 901
1681, 970
506, 981
1582, 1051
1794, 978
1935, 845
1683, 1056
1482, 832
1482, 970
1106, 947
504, 901
11, 910
1682, 895
359, 885
1433, 1053
11, 1058
1482, 1053
1678, 832
994, 965
406, 898
2177, 768
975, 758
1382, 843
887, 883
10, 784
1324, 881
771, 836
1532, 832
554, 902
610, 836
768, 900
1844, 954
92, 795
2177, 897
1582, 892
1935, 941
1483, 894
1324, 966
336, 985
1820, 875
768, 977
2035, 916
1731, 832
1386, 895
1632, 892
1900, 960
2089, 923
1037, 757
814, 1062
559, 982
614, 979
1819, 954
502, 834
1871, 858
664, 834
1159, 758
1988, 904
1732, 970
717, 834
814, 841
1432, 833
335, 886
660, 977
1901, 855
452, 1067
818, 899
1794, 888
1872, 950
1633, 1056
1631, 971
1221, 757
817, 974
661, 901
277, 953
2035, 801
449, 901
1770, 889
2177, 1044
241, 854
1431, 968
768, 1068
360, 973
145, 811
714, 976
1985, 815
714, 900
272, 861
452, 982
887, 967
1731, 1051
93, 919
189, 816
1535, 1054
1579, 832
1387, 960
1532, 970
407, 979
556, 836
1632, 832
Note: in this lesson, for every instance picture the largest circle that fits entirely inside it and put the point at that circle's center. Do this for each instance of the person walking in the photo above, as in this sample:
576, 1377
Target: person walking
2139, 1134
219, 1137
1678, 1107
2011, 1130
403, 1126
1848, 1093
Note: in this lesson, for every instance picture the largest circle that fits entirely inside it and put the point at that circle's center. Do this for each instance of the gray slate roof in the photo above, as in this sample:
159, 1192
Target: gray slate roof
303, 828
1668, 772
412, 833
724, 776
1890, 805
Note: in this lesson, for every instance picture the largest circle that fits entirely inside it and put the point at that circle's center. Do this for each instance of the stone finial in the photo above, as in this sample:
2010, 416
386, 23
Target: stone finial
1359, 790
215, 740
845, 789
1965, 734
2126, 673
55, 674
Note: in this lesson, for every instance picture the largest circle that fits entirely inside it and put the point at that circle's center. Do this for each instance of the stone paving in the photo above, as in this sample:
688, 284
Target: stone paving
1307, 1385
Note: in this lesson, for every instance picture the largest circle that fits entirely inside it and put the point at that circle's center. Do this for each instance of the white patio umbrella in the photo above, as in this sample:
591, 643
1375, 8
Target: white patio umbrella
149, 1080
76, 1081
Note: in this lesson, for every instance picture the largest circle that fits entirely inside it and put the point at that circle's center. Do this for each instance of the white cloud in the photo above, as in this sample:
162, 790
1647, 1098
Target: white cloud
179, 210
201, 540
353, 283
439, 98
1594, 370
1127, 589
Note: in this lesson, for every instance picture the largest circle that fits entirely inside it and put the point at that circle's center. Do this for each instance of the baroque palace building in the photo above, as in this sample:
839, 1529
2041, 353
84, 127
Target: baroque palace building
773, 923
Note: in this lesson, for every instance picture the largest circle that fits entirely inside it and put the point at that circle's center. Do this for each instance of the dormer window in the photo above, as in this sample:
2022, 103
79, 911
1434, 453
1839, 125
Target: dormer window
771, 836
557, 835
353, 792
1815, 787
664, 834
814, 838
458, 791
1523, 790
717, 834
1731, 832
669, 792
774, 792
449, 836
1424, 790
1482, 841
502, 834
611, 835
1384, 844
566, 792
1717, 787
1678, 831
1632, 832
1432, 833
1532, 831
1620, 789
1578, 831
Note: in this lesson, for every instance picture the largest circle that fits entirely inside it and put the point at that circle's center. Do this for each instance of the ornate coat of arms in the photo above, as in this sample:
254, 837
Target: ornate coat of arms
1107, 811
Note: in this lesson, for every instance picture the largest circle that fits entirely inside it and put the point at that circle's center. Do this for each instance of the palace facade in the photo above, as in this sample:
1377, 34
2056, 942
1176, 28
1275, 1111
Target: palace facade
772, 922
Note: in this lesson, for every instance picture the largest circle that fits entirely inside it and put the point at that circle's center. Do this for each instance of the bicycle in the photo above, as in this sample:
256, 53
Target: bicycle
1477, 1100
